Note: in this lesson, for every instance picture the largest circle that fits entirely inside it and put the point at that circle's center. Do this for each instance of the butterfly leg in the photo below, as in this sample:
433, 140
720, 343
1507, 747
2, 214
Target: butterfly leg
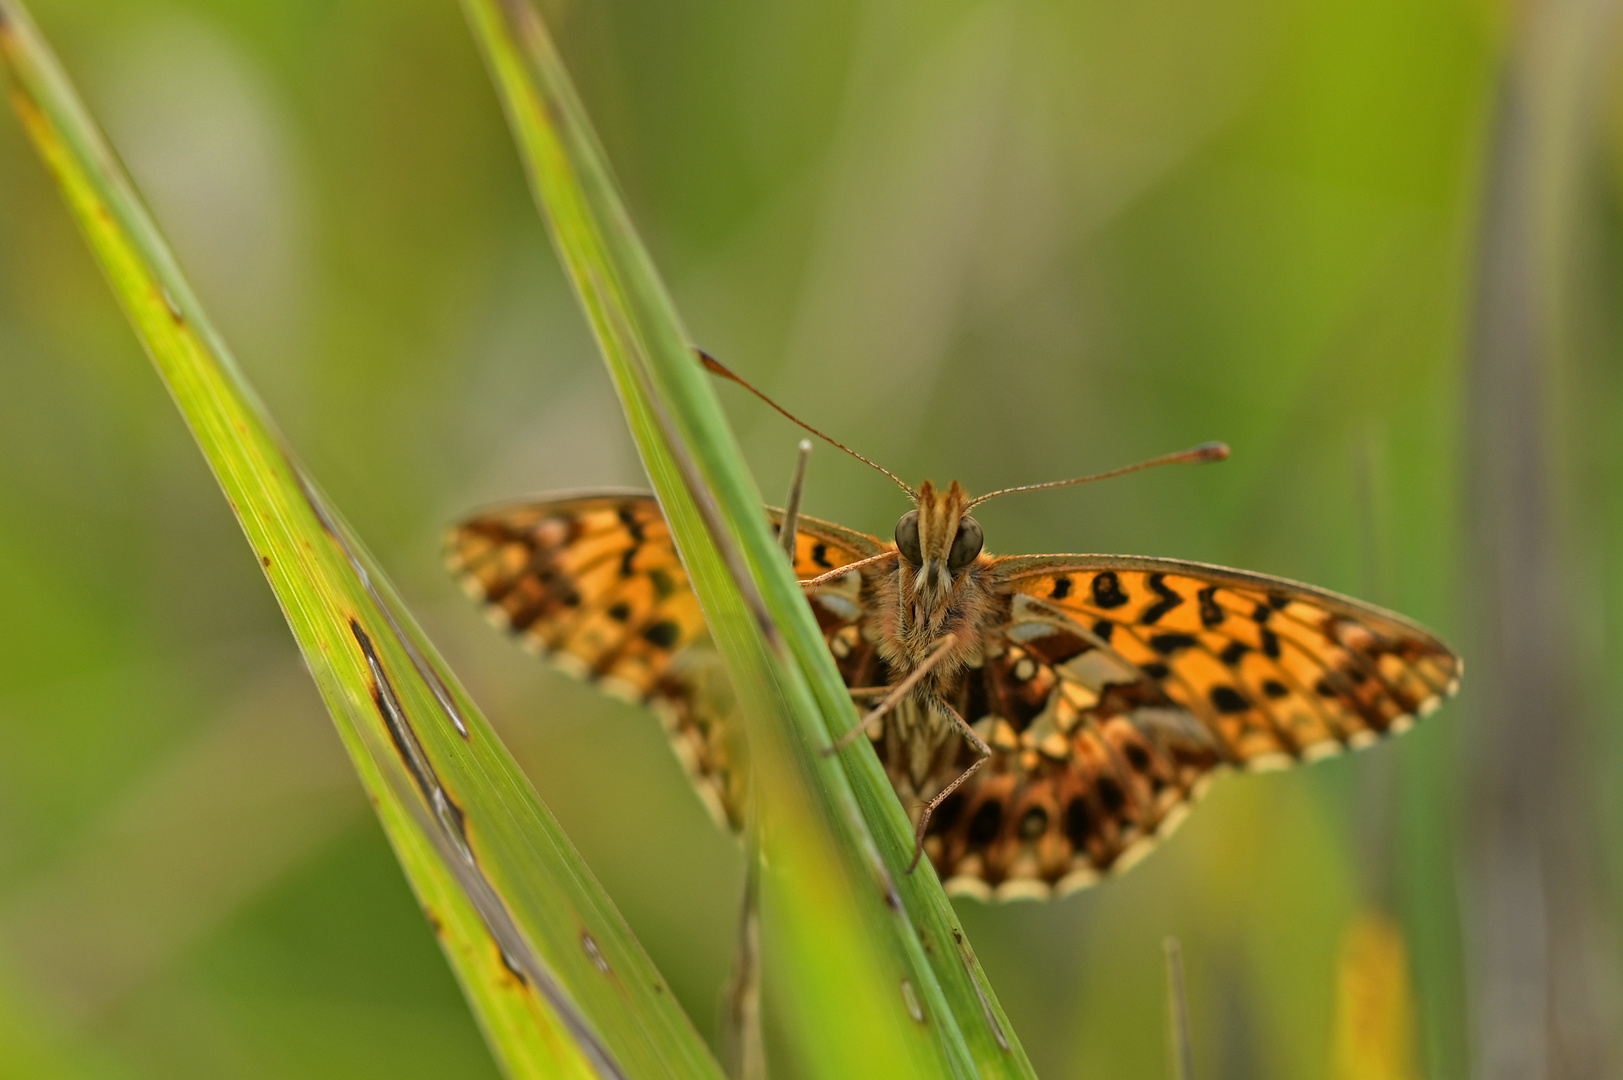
791, 505
930, 807
938, 652
841, 571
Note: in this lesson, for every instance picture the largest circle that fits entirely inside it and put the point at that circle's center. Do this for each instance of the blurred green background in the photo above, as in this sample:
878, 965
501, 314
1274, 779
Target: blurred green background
1376, 247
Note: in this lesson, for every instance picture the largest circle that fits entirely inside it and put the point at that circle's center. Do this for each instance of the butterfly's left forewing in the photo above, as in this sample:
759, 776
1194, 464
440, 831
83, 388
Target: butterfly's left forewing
1275, 670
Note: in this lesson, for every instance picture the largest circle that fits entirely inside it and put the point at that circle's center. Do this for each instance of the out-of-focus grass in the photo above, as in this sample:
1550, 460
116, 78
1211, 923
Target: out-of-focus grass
555, 978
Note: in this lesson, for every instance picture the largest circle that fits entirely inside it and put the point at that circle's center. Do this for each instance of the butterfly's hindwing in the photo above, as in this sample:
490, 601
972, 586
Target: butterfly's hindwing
1091, 764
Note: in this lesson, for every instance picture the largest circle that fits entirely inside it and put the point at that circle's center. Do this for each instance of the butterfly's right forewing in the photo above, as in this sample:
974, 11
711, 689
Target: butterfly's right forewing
594, 583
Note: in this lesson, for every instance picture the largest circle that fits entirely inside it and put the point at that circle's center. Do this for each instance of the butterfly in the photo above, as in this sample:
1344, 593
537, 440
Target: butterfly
1047, 719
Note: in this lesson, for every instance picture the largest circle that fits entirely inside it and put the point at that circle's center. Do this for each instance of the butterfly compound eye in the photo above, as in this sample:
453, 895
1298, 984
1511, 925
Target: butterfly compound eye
907, 537
966, 545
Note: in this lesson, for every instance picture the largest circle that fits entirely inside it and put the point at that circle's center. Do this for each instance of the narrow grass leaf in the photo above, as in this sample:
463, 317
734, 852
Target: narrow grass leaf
875, 969
558, 983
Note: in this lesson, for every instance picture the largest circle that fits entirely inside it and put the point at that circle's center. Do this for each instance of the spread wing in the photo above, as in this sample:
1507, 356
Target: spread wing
594, 584
1116, 685
1276, 671
1109, 691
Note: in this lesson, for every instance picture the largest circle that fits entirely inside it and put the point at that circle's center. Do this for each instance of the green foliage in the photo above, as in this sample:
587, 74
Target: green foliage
557, 981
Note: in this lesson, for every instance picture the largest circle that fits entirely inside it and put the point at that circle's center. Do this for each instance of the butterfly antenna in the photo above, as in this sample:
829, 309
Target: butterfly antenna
1195, 455
716, 367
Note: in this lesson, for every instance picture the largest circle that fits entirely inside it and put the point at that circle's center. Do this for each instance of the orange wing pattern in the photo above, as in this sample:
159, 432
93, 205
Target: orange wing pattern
1116, 686
1108, 688
1277, 671
594, 584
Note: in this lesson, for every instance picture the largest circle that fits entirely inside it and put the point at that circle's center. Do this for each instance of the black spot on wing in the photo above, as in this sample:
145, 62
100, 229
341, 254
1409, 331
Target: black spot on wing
1111, 794
620, 612
1233, 652
1226, 699
1104, 628
664, 584
1172, 644
633, 526
1078, 821
1275, 689
1270, 643
1211, 612
1169, 599
819, 554
663, 634
1107, 590
947, 814
1061, 589
984, 826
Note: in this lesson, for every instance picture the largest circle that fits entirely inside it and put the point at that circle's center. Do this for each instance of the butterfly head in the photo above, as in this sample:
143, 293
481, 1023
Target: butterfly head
938, 540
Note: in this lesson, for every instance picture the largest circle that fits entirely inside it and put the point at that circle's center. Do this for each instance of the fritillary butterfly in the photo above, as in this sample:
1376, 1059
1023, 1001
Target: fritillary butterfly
1047, 719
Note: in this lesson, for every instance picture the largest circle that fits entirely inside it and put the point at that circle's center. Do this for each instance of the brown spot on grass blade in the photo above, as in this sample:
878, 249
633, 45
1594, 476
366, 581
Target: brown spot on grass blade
426, 670
446, 826
974, 980
406, 744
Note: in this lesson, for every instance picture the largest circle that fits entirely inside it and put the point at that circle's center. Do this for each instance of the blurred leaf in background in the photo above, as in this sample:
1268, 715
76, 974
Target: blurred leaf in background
1374, 1037
993, 240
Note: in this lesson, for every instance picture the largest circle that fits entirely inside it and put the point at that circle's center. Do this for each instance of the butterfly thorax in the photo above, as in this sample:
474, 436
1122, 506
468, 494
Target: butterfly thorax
924, 597
905, 634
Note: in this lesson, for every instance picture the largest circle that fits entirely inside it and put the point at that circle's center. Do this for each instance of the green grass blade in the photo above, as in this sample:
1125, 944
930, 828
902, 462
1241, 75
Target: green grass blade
558, 983
861, 947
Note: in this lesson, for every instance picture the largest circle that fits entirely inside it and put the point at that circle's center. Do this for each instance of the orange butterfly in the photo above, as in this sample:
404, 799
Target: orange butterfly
1047, 718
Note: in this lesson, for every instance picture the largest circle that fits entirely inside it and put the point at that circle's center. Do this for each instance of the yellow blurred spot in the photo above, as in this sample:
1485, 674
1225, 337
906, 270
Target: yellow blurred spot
1374, 1033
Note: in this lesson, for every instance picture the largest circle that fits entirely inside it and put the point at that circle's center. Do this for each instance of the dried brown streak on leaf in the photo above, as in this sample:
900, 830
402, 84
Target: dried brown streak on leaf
430, 675
986, 1006
406, 744
447, 830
